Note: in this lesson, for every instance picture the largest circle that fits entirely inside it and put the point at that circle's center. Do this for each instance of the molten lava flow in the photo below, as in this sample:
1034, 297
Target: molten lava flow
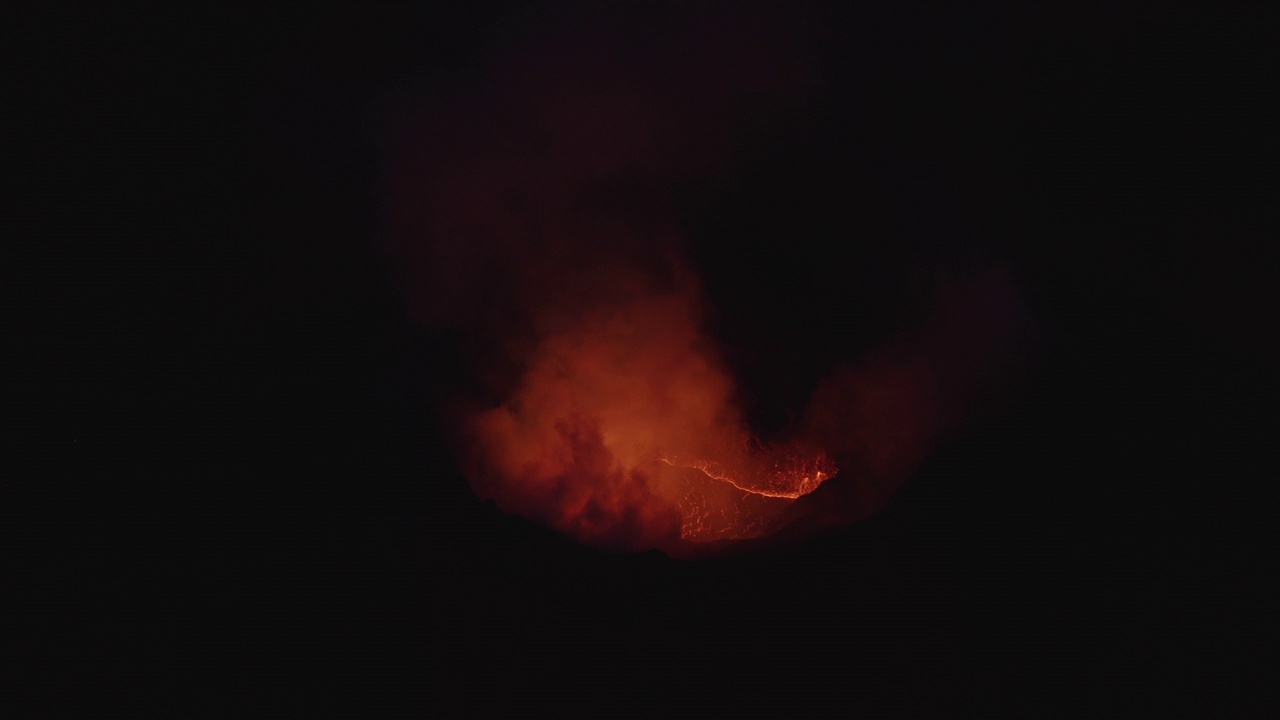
778, 481
623, 432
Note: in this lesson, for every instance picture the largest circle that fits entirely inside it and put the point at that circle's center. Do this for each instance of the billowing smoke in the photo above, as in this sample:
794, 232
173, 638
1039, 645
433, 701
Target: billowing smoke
534, 211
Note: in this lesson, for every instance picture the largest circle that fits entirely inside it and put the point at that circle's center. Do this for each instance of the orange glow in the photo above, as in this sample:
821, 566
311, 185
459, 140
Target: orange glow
538, 222
623, 432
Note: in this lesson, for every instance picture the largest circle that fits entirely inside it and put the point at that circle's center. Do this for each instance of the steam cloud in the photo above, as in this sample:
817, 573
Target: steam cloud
535, 217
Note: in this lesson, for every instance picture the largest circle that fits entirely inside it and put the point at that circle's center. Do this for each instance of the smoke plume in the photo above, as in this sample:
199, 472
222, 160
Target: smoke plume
534, 212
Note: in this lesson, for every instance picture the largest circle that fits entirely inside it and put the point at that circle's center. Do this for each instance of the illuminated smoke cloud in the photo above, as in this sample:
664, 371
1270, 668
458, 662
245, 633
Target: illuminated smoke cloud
535, 218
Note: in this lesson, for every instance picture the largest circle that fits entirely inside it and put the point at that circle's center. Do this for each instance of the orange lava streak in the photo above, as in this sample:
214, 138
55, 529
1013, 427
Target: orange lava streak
805, 485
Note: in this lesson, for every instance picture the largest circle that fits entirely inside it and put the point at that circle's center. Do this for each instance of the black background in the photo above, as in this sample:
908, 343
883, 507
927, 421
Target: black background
234, 497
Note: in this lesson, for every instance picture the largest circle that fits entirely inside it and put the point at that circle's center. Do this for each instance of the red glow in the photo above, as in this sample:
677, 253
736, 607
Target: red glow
534, 216
623, 431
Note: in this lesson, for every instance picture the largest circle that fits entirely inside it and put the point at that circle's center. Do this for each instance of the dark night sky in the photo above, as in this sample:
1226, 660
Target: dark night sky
241, 498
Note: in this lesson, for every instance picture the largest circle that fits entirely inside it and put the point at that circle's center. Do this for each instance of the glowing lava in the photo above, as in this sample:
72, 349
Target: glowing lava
623, 432
779, 481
